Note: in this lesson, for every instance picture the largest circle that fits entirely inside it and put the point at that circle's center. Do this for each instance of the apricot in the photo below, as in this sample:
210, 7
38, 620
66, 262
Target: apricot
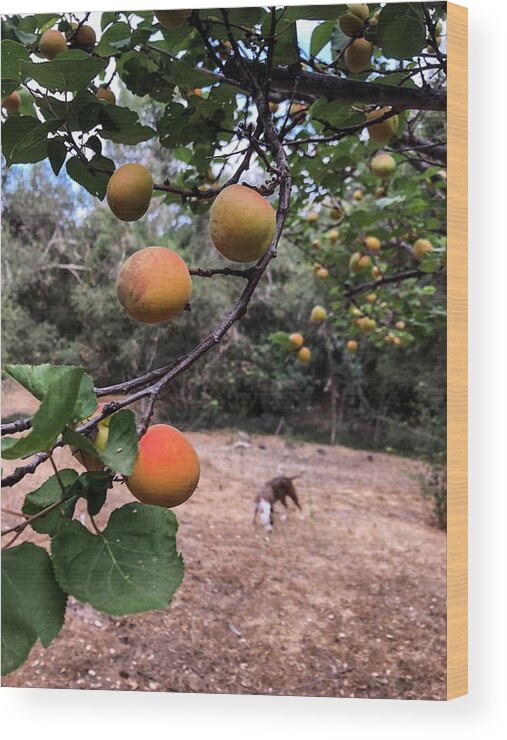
371, 297
172, 19
350, 23
322, 272
129, 192
224, 49
383, 166
242, 223
297, 110
372, 243
335, 214
360, 10
400, 325
296, 340
273, 107
381, 132
315, 243
333, 235
366, 324
359, 262
153, 285
312, 216
304, 355
104, 93
357, 195
421, 247
85, 36
318, 315
52, 43
92, 462
11, 102
352, 345
166, 469
357, 56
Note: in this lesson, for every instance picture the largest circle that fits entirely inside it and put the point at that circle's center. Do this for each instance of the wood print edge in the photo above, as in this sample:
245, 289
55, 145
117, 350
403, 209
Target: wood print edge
457, 367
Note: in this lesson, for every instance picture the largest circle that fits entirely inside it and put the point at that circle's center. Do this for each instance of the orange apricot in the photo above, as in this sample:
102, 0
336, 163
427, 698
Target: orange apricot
153, 285
166, 470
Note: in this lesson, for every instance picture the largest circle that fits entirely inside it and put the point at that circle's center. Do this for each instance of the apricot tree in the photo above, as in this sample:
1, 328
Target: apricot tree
344, 131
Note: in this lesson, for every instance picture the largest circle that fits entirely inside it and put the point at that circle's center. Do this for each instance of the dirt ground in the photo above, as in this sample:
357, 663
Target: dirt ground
349, 601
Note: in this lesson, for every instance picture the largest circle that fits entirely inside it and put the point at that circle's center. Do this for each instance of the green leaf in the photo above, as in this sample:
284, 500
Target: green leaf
57, 152
94, 182
131, 566
122, 126
71, 70
14, 130
429, 263
402, 31
115, 38
56, 410
121, 447
37, 379
12, 56
49, 493
320, 37
93, 486
29, 145
78, 441
33, 604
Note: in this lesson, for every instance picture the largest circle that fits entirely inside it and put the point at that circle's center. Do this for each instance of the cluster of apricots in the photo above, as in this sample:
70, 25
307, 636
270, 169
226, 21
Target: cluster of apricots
303, 353
153, 286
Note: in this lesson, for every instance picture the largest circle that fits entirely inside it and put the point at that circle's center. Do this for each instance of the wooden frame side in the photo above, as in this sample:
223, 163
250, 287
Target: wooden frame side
457, 367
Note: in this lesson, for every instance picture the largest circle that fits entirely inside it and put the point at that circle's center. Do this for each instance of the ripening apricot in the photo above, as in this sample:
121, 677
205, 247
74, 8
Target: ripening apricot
304, 355
296, 339
52, 43
322, 273
242, 223
85, 36
381, 132
356, 312
273, 107
166, 470
376, 273
352, 345
298, 110
312, 216
357, 56
11, 102
372, 243
380, 192
335, 214
357, 195
383, 166
129, 192
333, 235
107, 95
421, 247
172, 19
366, 324
93, 462
154, 285
361, 10
371, 297
350, 24
318, 315
400, 325
224, 49
359, 262
315, 243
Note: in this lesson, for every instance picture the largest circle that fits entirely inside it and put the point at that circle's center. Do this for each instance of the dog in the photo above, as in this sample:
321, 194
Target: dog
276, 489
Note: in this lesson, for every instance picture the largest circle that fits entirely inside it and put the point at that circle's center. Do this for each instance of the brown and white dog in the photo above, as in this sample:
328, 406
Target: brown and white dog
276, 489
